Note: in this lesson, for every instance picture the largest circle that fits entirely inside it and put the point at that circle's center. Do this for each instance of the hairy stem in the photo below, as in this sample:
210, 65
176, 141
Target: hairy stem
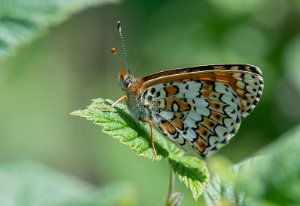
171, 185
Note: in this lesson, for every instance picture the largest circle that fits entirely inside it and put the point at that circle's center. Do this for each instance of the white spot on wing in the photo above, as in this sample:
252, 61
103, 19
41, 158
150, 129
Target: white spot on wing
220, 131
195, 116
229, 123
190, 122
250, 88
194, 86
200, 102
167, 115
190, 135
234, 68
213, 140
203, 111
240, 84
231, 112
175, 107
221, 88
180, 139
191, 94
228, 100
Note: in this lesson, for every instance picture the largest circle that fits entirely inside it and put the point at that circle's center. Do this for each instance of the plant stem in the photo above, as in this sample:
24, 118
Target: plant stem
171, 185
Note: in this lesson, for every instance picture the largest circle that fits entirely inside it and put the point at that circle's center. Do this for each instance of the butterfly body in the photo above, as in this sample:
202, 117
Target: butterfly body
198, 108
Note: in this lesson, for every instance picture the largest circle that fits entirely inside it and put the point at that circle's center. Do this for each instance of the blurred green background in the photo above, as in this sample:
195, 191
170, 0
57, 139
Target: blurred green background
71, 63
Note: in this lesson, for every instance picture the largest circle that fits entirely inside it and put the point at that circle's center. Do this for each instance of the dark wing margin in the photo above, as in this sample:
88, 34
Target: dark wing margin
209, 67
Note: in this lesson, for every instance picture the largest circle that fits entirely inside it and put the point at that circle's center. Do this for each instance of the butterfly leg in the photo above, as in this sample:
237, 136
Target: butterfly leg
152, 137
113, 104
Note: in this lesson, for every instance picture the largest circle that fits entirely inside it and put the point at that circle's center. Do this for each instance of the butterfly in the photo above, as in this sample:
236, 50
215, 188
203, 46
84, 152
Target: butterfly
198, 108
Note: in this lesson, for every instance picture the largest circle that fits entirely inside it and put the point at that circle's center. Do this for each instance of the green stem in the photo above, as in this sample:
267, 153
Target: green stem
171, 185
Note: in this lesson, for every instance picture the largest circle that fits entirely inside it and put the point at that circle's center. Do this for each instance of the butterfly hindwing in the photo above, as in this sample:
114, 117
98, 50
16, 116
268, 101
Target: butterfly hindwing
200, 114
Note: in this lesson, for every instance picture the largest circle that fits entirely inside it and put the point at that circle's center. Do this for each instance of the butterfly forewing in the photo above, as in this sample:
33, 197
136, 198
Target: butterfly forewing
201, 107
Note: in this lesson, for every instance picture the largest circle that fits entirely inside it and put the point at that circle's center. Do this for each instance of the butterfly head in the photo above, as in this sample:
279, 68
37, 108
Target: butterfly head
125, 79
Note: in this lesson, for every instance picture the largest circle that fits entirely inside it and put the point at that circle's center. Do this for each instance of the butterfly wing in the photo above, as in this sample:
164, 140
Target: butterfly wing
201, 107
246, 80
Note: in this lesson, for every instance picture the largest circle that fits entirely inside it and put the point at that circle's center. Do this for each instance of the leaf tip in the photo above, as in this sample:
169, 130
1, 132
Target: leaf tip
76, 113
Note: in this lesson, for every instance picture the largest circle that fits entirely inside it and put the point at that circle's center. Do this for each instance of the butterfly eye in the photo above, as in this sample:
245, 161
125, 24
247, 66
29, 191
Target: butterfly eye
127, 82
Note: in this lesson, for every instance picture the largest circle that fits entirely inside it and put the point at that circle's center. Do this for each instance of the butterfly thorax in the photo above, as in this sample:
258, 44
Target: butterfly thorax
136, 107
129, 84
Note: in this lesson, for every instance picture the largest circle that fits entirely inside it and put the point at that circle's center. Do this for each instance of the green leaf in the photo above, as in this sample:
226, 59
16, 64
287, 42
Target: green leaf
118, 123
220, 190
21, 21
270, 178
275, 176
192, 172
30, 183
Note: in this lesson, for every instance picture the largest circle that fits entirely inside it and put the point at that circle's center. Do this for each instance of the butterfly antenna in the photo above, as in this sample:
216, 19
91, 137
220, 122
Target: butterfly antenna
114, 52
123, 44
